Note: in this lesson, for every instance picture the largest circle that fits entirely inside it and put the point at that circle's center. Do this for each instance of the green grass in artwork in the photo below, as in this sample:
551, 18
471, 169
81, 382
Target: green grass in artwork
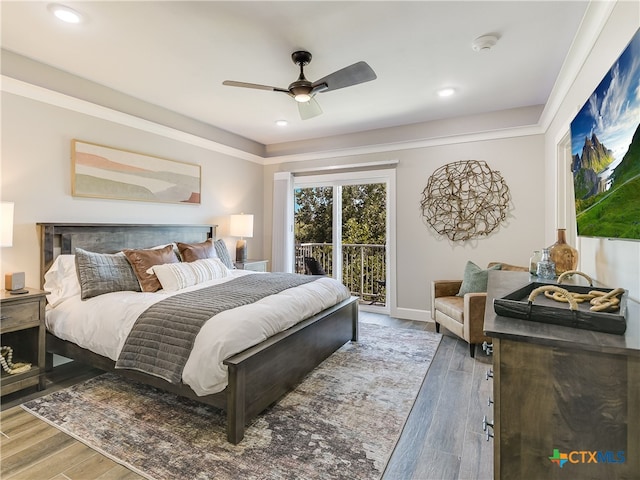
616, 215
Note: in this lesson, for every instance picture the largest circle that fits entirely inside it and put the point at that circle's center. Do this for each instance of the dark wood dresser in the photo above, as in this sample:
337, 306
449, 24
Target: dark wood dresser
562, 396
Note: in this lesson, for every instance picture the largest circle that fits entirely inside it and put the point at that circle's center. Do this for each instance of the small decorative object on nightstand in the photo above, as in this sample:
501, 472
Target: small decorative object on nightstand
254, 265
23, 332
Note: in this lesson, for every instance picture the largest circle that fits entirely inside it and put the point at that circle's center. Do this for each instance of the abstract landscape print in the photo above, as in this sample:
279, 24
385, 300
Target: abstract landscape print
103, 172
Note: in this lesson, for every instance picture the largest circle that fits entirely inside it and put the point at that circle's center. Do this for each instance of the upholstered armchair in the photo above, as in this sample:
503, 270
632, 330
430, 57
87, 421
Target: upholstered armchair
462, 315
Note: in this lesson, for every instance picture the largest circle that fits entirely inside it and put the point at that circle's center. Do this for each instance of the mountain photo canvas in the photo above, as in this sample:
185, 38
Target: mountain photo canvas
605, 148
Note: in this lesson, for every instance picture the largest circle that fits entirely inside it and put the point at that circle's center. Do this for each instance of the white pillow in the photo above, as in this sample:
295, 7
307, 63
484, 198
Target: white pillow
61, 280
176, 276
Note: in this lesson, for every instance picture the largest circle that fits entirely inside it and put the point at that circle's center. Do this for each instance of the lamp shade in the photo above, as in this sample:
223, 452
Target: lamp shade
6, 224
241, 226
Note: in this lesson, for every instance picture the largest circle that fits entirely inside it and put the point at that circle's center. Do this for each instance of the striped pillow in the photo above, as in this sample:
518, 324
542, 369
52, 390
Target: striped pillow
223, 253
176, 276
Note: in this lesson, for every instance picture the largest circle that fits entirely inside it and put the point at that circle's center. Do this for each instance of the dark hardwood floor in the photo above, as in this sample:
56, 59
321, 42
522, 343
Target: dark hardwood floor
442, 439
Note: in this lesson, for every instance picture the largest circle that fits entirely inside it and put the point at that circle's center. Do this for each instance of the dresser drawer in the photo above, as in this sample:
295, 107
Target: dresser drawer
19, 315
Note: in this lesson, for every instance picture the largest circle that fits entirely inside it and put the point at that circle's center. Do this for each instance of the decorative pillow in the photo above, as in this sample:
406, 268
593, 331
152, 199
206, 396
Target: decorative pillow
176, 276
191, 252
223, 253
61, 280
100, 273
475, 278
143, 260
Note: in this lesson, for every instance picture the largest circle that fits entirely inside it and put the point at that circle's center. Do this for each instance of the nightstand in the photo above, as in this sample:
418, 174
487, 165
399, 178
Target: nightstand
254, 265
22, 328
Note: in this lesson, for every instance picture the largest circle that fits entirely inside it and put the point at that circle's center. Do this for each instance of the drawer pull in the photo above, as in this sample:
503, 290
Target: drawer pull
489, 435
486, 424
487, 347
489, 402
5, 317
489, 374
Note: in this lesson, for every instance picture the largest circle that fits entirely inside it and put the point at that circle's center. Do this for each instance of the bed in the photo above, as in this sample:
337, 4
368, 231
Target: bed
257, 376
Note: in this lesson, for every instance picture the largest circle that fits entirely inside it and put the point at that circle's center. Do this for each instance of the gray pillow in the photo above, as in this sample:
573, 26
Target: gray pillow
223, 253
475, 278
101, 273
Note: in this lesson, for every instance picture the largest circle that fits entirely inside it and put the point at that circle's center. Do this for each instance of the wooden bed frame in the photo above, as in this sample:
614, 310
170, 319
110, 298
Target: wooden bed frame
259, 376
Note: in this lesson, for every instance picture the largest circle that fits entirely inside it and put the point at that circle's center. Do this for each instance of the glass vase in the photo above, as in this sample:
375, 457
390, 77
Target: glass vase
533, 262
562, 254
546, 269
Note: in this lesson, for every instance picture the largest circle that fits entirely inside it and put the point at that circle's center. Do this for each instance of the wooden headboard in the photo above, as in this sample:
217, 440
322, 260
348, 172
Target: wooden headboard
62, 238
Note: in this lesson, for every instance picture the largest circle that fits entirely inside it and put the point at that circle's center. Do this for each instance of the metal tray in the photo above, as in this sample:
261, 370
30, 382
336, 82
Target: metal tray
545, 310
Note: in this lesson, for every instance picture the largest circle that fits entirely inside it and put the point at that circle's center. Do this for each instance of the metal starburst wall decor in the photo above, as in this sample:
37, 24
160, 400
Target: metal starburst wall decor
465, 199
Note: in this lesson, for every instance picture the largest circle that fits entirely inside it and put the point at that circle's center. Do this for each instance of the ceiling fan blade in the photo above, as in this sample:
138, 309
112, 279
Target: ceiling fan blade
232, 83
309, 109
352, 75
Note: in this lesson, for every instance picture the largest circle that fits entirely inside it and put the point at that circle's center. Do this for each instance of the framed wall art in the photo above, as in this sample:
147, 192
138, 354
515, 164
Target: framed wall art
605, 148
99, 171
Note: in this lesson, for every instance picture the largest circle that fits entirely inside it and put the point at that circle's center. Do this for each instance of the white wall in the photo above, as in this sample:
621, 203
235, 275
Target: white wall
36, 175
422, 255
615, 263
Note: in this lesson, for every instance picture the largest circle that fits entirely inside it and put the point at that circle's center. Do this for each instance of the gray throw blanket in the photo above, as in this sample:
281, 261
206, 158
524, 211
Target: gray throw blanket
161, 340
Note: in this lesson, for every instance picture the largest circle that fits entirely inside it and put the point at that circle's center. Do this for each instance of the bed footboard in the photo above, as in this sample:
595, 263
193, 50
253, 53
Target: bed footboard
260, 375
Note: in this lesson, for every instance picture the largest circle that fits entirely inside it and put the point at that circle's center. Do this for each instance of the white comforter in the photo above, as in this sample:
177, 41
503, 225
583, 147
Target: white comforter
102, 324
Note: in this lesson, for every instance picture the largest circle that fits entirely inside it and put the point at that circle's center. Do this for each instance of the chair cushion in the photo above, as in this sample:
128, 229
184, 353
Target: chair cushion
475, 278
451, 306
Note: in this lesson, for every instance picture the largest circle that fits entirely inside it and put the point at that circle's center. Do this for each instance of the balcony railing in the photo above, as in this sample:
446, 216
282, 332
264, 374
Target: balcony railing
364, 269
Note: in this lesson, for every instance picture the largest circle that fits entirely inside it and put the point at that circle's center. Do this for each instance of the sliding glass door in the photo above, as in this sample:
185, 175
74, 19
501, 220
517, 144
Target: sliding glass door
341, 228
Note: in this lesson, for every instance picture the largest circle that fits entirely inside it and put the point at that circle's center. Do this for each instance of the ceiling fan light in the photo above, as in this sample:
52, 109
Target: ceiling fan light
302, 97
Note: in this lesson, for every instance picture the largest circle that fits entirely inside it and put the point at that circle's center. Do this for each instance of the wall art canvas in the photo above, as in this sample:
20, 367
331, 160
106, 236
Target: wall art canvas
105, 172
605, 146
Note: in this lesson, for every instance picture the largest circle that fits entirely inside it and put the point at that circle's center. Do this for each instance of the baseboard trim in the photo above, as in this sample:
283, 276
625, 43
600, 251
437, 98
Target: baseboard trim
413, 314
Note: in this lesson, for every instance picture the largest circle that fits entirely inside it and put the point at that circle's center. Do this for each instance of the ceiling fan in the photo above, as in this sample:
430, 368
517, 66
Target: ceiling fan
303, 91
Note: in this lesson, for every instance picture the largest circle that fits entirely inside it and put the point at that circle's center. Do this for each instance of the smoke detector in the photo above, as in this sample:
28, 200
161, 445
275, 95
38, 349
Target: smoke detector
484, 43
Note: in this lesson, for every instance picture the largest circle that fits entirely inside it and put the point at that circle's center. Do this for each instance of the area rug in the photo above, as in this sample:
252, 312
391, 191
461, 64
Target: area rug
341, 422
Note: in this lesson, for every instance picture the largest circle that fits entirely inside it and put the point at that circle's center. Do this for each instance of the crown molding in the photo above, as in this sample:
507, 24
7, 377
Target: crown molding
51, 97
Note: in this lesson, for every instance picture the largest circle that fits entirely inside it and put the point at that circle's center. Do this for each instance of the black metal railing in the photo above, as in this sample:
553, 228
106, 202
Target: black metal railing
364, 268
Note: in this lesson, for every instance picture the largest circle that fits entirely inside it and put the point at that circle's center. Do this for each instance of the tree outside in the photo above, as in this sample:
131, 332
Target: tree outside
363, 234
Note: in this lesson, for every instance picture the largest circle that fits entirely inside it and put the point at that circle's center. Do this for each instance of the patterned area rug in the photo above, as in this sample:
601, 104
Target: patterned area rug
342, 421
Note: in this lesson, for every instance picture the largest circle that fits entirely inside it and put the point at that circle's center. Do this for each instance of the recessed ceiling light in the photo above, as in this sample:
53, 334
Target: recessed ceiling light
282, 123
446, 92
64, 13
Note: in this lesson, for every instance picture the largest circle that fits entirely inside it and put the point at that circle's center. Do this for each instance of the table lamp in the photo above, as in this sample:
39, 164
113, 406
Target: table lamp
241, 226
13, 282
